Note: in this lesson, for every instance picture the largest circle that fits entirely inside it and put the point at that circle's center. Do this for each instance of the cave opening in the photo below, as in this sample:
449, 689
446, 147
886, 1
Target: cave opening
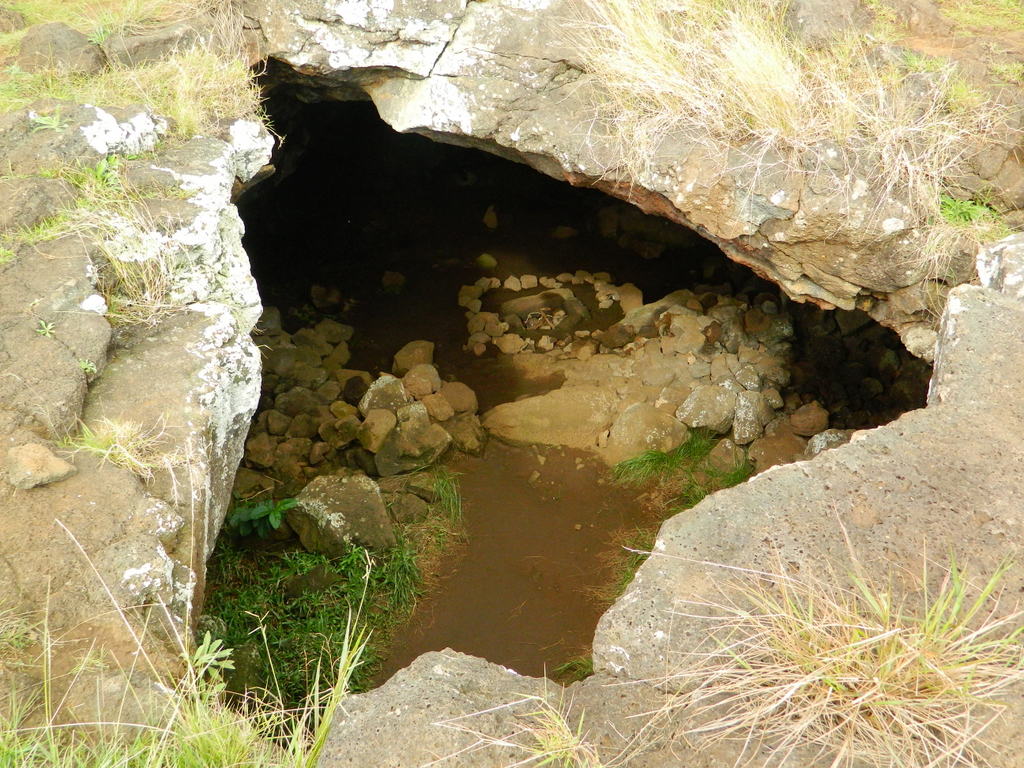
365, 240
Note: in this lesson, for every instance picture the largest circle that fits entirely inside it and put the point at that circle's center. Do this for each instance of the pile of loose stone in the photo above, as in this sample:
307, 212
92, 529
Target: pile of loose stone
317, 417
693, 360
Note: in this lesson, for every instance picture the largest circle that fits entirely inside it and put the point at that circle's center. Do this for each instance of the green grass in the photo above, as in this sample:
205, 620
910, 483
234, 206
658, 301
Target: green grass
196, 729
1010, 72
448, 497
993, 15
965, 212
248, 594
866, 673
650, 465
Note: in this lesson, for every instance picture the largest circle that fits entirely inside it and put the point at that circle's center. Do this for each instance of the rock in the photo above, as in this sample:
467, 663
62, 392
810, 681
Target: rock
708, 407
10, 20
820, 22
342, 410
249, 483
318, 579
490, 219
33, 464
404, 723
467, 433
303, 425
377, 426
461, 398
486, 261
355, 386
386, 392
422, 380
298, 400
749, 378
261, 450
512, 283
468, 294
572, 416
563, 232
335, 510
392, 282
406, 508
643, 427
779, 445
412, 354
510, 343
338, 357
56, 46
438, 408
630, 297
415, 442
830, 438
27, 201
133, 50
318, 453
528, 282
419, 483
752, 415
773, 397
809, 419
333, 332
341, 432
726, 456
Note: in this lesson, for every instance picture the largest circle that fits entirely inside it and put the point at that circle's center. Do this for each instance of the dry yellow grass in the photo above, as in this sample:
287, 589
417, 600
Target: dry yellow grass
856, 673
724, 75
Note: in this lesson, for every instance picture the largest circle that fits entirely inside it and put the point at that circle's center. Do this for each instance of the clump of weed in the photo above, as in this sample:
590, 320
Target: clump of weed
859, 672
258, 517
651, 465
448, 498
299, 603
125, 444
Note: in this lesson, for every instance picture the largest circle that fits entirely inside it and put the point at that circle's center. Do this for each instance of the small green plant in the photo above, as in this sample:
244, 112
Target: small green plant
553, 740
87, 367
259, 518
16, 633
860, 672
50, 122
965, 212
6, 255
45, 329
103, 176
919, 62
400, 575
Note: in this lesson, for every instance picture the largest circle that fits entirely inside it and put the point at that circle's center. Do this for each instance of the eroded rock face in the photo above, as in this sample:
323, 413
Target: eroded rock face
505, 77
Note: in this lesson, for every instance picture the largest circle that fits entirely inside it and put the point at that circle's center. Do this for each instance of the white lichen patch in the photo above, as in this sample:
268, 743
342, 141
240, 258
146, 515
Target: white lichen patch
892, 225
94, 303
108, 136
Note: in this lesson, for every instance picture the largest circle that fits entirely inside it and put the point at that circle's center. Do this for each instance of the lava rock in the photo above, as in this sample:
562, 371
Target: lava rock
376, 427
468, 434
422, 380
412, 354
643, 427
386, 392
59, 47
335, 510
414, 443
708, 407
406, 507
809, 419
33, 464
752, 415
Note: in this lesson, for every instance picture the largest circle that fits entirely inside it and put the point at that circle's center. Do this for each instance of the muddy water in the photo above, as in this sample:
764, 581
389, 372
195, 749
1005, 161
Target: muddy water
520, 593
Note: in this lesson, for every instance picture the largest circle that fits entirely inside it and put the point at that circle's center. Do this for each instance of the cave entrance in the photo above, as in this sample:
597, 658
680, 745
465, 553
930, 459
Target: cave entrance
365, 240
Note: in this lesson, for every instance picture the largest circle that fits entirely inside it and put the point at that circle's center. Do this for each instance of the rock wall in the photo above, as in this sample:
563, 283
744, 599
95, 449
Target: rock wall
113, 554
506, 77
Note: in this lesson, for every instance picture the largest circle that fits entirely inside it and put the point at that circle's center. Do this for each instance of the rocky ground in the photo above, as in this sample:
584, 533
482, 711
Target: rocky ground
109, 548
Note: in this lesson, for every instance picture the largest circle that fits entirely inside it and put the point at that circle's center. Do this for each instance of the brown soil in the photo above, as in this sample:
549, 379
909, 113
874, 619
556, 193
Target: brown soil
522, 591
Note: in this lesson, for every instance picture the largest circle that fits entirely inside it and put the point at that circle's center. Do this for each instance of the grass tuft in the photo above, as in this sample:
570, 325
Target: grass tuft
125, 444
448, 496
651, 465
719, 75
857, 672
574, 670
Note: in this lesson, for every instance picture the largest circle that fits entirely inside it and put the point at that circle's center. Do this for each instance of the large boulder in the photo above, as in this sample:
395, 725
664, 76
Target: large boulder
336, 510
572, 416
386, 392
